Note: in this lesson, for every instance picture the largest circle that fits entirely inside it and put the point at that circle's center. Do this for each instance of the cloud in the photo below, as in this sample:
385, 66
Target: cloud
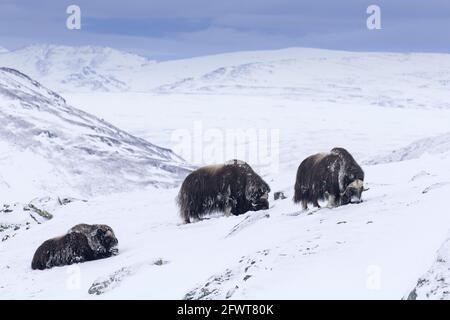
167, 29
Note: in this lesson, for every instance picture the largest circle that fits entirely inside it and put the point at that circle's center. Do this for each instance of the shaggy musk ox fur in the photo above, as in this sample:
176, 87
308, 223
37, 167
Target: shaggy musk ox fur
335, 177
233, 188
83, 242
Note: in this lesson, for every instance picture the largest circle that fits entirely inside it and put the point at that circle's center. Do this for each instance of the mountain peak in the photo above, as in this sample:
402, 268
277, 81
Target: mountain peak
85, 68
43, 48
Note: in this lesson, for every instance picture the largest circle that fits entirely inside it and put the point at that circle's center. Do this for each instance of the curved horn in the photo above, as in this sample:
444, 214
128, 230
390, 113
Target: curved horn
357, 184
345, 191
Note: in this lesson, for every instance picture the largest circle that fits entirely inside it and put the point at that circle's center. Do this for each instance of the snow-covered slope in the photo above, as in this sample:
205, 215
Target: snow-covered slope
430, 145
49, 146
369, 103
377, 249
435, 283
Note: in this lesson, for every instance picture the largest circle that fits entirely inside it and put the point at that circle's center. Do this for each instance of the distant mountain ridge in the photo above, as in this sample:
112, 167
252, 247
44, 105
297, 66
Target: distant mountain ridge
78, 150
321, 75
76, 68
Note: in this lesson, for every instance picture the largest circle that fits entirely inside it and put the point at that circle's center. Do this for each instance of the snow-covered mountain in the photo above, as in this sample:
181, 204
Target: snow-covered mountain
75, 68
50, 146
381, 79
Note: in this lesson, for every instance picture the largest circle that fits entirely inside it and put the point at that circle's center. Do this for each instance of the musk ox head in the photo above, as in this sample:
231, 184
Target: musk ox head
259, 196
101, 238
353, 177
353, 192
256, 192
107, 240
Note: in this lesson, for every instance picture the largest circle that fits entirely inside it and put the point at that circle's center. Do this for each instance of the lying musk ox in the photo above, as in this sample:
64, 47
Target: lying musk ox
82, 243
334, 176
231, 188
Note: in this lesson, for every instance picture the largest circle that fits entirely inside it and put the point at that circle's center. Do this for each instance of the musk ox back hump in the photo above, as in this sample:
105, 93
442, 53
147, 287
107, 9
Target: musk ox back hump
351, 168
305, 176
343, 154
226, 187
65, 250
197, 188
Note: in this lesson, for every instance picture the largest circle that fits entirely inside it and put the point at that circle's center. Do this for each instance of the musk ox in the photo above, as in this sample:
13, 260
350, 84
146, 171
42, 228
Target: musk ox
82, 243
231, 188
333, 176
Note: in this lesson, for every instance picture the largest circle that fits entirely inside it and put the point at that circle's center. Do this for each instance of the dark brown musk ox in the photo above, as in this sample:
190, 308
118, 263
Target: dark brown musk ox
334, 176
82, 243
231, 188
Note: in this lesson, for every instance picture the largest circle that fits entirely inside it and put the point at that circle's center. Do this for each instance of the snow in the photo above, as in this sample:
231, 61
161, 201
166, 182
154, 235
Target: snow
382, 79
389, 110
433, 145
435, 283
69, 149
76, 68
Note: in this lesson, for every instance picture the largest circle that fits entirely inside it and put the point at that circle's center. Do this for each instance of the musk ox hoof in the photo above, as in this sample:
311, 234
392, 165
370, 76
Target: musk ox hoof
82, 243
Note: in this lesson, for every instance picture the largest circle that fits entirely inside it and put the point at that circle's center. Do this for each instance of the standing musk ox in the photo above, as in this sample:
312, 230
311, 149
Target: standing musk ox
82, 243
232, 188
335, 177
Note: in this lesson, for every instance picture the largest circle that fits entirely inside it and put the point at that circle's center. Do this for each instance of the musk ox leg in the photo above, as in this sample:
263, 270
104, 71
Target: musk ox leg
304, 205
228, 212
331, 201
230, 207
186, 216
316, 203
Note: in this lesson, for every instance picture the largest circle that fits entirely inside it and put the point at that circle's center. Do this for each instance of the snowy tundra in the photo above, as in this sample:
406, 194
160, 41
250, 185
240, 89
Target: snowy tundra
64, 161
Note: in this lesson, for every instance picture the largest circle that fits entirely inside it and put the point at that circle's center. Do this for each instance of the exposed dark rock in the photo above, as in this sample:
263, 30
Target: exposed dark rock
279, 195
